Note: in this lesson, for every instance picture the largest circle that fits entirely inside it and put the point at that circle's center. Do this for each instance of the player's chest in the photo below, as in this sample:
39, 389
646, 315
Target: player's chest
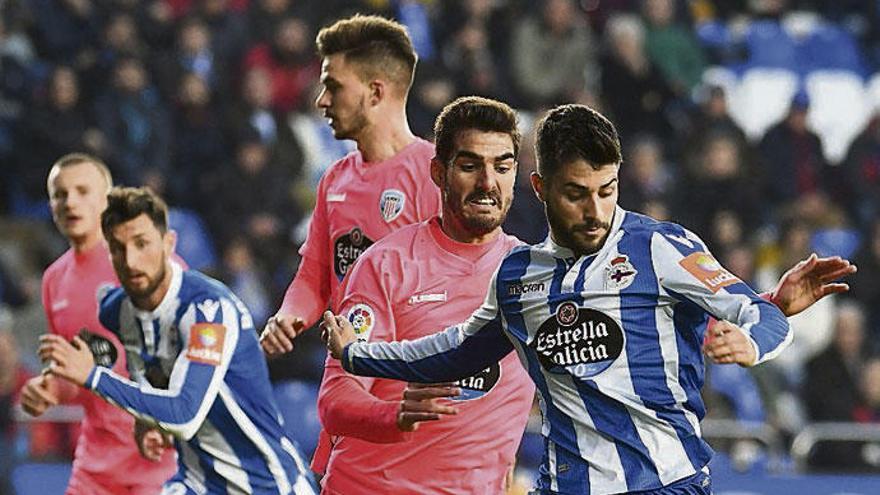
151, 346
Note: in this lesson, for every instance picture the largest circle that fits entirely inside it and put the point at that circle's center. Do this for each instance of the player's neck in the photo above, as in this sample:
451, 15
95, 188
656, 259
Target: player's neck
85, 243
381, 141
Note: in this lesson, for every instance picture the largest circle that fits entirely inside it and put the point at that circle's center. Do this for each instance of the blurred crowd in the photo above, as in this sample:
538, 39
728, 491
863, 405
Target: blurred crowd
210, 102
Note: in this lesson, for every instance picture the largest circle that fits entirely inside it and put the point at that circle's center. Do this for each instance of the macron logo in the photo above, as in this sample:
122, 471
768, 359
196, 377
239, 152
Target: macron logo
520, 288
209, 308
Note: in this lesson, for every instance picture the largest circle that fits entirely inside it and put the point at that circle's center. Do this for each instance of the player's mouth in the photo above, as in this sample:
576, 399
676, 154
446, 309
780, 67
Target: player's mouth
484, 202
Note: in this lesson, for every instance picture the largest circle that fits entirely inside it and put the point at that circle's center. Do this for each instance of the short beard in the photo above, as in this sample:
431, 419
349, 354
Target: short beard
155, 282
479, 225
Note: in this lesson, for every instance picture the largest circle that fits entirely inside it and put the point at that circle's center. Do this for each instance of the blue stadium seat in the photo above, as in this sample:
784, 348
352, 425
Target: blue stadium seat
830, 47
739, 387
770, 46
298, 401
194, 243
836, 242
40, 478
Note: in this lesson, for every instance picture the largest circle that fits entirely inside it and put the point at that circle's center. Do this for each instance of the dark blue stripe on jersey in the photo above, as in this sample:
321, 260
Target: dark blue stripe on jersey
482, 349
511, 272
772, 328
252, 460
646, 364
670, 229
690, 326
579, 280
576, 478
555, 298
613, 420
213, 483
109, 309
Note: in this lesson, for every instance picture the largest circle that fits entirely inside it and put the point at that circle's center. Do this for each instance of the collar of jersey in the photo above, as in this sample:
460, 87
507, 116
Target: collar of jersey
565, 253
170, 296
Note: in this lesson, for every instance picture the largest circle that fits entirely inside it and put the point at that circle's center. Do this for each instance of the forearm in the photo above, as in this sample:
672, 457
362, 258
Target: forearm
308, 295
347, 409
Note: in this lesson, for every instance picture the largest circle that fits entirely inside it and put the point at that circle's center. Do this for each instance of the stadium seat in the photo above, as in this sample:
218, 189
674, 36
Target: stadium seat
770, 46
839, 110
739, 387
762, 99
194, 243
836, 242
830, 47
298, 401
40, 478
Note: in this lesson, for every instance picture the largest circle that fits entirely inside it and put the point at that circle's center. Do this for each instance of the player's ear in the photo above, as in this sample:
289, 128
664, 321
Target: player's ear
438, 172
378, 91
537, 185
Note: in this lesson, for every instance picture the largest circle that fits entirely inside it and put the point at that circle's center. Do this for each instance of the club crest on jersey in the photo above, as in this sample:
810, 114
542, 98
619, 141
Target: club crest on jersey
362, 319
206, 343
479, 384
346, 250
391, 204
578, 341
707, 270
619, 273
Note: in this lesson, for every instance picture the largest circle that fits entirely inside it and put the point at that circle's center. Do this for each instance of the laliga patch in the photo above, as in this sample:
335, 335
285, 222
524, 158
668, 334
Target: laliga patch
391, 204
362, 319
578, 341
705, 268
480, 384
619, 274
346, 250
206, 343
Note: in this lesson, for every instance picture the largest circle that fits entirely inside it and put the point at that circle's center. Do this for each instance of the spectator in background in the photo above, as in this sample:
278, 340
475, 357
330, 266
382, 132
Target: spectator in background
791, 155
253, 113
672, 47
134, 122
58, 124
120, 39
198, 142
193, 54
247, 279
16, 60
526, 206
866, 282
290, 62
553, 56
868, 408
647, 178
228, 27
861, 174
634, 91
711, 118
432, 89
65, 31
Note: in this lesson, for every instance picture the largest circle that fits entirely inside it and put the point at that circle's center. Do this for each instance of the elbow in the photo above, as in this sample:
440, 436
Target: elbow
327, 412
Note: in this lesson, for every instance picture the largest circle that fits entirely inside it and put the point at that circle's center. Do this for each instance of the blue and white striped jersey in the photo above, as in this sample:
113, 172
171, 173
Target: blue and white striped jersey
199, 373
612, 342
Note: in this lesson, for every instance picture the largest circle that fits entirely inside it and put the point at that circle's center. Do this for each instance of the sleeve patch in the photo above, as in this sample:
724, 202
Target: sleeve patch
206, 343
362, 319
705, 268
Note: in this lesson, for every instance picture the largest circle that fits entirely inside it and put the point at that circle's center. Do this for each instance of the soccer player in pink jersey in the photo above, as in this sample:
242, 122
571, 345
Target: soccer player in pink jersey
367, 70
107, 460
423, 276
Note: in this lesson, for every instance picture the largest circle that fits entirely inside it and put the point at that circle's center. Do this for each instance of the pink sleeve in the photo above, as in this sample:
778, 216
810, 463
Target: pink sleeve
309, 293
429, 202
66, 392
345, 405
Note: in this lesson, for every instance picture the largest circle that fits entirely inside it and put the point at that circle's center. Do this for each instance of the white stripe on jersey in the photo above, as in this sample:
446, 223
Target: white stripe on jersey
226, 463
195, 476
253, 434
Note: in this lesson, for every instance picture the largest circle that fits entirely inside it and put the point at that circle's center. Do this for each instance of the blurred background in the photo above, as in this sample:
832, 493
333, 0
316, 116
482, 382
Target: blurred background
755, 123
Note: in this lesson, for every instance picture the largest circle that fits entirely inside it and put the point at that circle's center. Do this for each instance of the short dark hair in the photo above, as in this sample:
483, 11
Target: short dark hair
375, 44
127, 203
571, 132
473, 112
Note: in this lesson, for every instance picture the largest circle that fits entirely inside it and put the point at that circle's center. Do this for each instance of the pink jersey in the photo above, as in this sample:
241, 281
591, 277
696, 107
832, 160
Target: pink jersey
414, 282
106, 448
357, 204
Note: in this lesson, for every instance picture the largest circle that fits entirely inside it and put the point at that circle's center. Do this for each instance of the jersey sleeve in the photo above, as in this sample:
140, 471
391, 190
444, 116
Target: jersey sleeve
208, 343
429, 202
688, 271
345, 404
308, 295
455, 353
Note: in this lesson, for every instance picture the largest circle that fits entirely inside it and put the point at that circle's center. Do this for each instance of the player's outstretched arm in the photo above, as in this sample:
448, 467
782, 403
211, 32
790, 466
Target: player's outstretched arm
453, 354
809, 281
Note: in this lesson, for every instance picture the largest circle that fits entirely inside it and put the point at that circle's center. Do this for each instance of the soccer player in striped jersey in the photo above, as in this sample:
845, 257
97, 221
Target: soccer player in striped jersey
608, 316
196, 365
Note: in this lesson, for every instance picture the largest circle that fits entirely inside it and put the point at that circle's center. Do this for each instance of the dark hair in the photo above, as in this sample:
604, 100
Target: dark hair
473, 112
571, 132
127, 203
375, 44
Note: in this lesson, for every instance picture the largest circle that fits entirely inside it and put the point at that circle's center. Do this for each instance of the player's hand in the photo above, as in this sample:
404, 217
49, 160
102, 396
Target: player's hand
277, 337
810, 280
38, 394
727, 343
421, 403
151, 441
72, 361
336, 332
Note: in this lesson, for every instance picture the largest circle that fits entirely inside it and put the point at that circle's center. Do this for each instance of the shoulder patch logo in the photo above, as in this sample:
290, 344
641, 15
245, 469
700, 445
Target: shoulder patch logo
391, 204
209, 308
362, 319
705, 268
620, 273
206, 343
